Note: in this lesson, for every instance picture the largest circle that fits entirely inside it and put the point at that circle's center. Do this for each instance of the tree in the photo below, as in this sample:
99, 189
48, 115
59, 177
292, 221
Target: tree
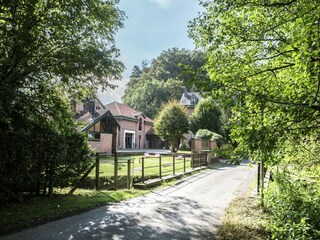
174, 63
55, 44
171, 123
264, 56
51, 51
148, 95
207, 115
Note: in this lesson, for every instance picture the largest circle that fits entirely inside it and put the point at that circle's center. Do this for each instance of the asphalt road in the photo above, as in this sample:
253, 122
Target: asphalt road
189, 210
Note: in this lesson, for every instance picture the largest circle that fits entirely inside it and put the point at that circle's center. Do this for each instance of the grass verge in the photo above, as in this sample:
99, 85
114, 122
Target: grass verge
244, 219
37, 210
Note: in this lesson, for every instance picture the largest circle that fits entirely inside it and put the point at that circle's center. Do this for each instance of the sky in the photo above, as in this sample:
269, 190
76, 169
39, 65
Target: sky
151, 26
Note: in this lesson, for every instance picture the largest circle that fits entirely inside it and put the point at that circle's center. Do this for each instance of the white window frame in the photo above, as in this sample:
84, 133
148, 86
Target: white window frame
133, 138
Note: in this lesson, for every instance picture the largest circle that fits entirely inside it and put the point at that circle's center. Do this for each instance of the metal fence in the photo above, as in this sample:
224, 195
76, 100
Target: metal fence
114, 172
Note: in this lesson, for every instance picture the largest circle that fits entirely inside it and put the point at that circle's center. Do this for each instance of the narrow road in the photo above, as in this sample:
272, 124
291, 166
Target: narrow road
189, 210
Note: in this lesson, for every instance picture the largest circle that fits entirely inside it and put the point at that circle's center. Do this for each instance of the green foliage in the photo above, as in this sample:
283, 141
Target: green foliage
163, 79
264, 56
207, 115
148, 95
183, 147
173, 63
293, 199
226, 151
171, 123
207, 135
30, 158
50, 50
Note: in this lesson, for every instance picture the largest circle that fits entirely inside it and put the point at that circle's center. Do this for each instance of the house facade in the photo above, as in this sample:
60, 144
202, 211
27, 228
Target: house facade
136, 129
190, 100
99, 123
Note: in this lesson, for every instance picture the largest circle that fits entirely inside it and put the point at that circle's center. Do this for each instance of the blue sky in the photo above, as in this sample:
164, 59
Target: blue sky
151, 27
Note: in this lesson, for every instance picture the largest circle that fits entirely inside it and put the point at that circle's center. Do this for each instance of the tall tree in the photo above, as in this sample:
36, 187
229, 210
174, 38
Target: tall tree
264, 56
49, 51
207, 115
173, 64
172, 123
148, 95
55, 44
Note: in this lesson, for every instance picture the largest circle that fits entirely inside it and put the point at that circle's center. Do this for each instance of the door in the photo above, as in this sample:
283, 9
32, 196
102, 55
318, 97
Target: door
128, 140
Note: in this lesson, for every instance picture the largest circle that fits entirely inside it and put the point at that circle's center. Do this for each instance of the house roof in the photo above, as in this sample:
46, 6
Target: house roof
91, 119
187, 97
123, 110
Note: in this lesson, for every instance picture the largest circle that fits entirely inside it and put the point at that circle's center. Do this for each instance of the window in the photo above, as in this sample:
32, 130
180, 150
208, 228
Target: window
94, 136
193, 100
140, 124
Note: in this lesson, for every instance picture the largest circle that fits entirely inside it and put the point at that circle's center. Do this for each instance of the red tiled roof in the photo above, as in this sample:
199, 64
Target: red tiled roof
119, 109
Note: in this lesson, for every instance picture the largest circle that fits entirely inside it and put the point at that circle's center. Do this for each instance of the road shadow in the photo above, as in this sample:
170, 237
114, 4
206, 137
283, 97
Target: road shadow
145, 218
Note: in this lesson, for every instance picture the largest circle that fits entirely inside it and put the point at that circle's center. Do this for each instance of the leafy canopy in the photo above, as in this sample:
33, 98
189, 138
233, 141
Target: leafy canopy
55, 44
207, 115
51, 51
163, 79
148, 95
171, 123
264, 56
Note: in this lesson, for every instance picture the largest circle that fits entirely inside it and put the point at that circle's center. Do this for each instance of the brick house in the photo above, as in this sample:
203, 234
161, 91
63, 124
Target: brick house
136, 129
99, 123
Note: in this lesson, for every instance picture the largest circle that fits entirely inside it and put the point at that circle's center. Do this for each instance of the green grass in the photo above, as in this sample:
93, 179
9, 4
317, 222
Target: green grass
151, 166
42, 209
244, 219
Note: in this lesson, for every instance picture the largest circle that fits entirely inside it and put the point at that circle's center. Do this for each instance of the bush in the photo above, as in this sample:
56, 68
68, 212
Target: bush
30, 158
294, 207
183, 147
207, 135
225, 151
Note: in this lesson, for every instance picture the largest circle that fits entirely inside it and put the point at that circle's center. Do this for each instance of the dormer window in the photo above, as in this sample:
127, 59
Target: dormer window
140, 124
193, 100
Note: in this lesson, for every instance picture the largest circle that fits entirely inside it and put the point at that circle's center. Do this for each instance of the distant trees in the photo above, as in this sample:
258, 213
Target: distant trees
172, 123
149, 94
174, 69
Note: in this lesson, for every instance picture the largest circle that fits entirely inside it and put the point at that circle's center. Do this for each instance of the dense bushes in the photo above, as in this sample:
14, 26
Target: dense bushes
294, 206
33, 158
293, 198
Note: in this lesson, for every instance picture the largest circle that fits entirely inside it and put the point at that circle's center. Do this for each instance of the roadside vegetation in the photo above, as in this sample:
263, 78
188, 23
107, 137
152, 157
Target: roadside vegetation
244, 219
262, 58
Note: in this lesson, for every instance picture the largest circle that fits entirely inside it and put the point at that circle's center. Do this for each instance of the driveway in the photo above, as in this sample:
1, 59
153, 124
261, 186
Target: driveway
191, 209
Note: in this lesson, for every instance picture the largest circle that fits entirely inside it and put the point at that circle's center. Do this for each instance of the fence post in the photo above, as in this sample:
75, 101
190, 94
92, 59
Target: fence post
200, 159
258, 179
97, 171
129, 173
160, 166
184, 163
142, 173
262, 179
174, 165
192, 159
115, 171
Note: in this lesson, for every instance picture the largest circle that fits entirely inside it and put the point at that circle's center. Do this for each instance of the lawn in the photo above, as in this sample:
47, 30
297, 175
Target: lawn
42, 209
151, 167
